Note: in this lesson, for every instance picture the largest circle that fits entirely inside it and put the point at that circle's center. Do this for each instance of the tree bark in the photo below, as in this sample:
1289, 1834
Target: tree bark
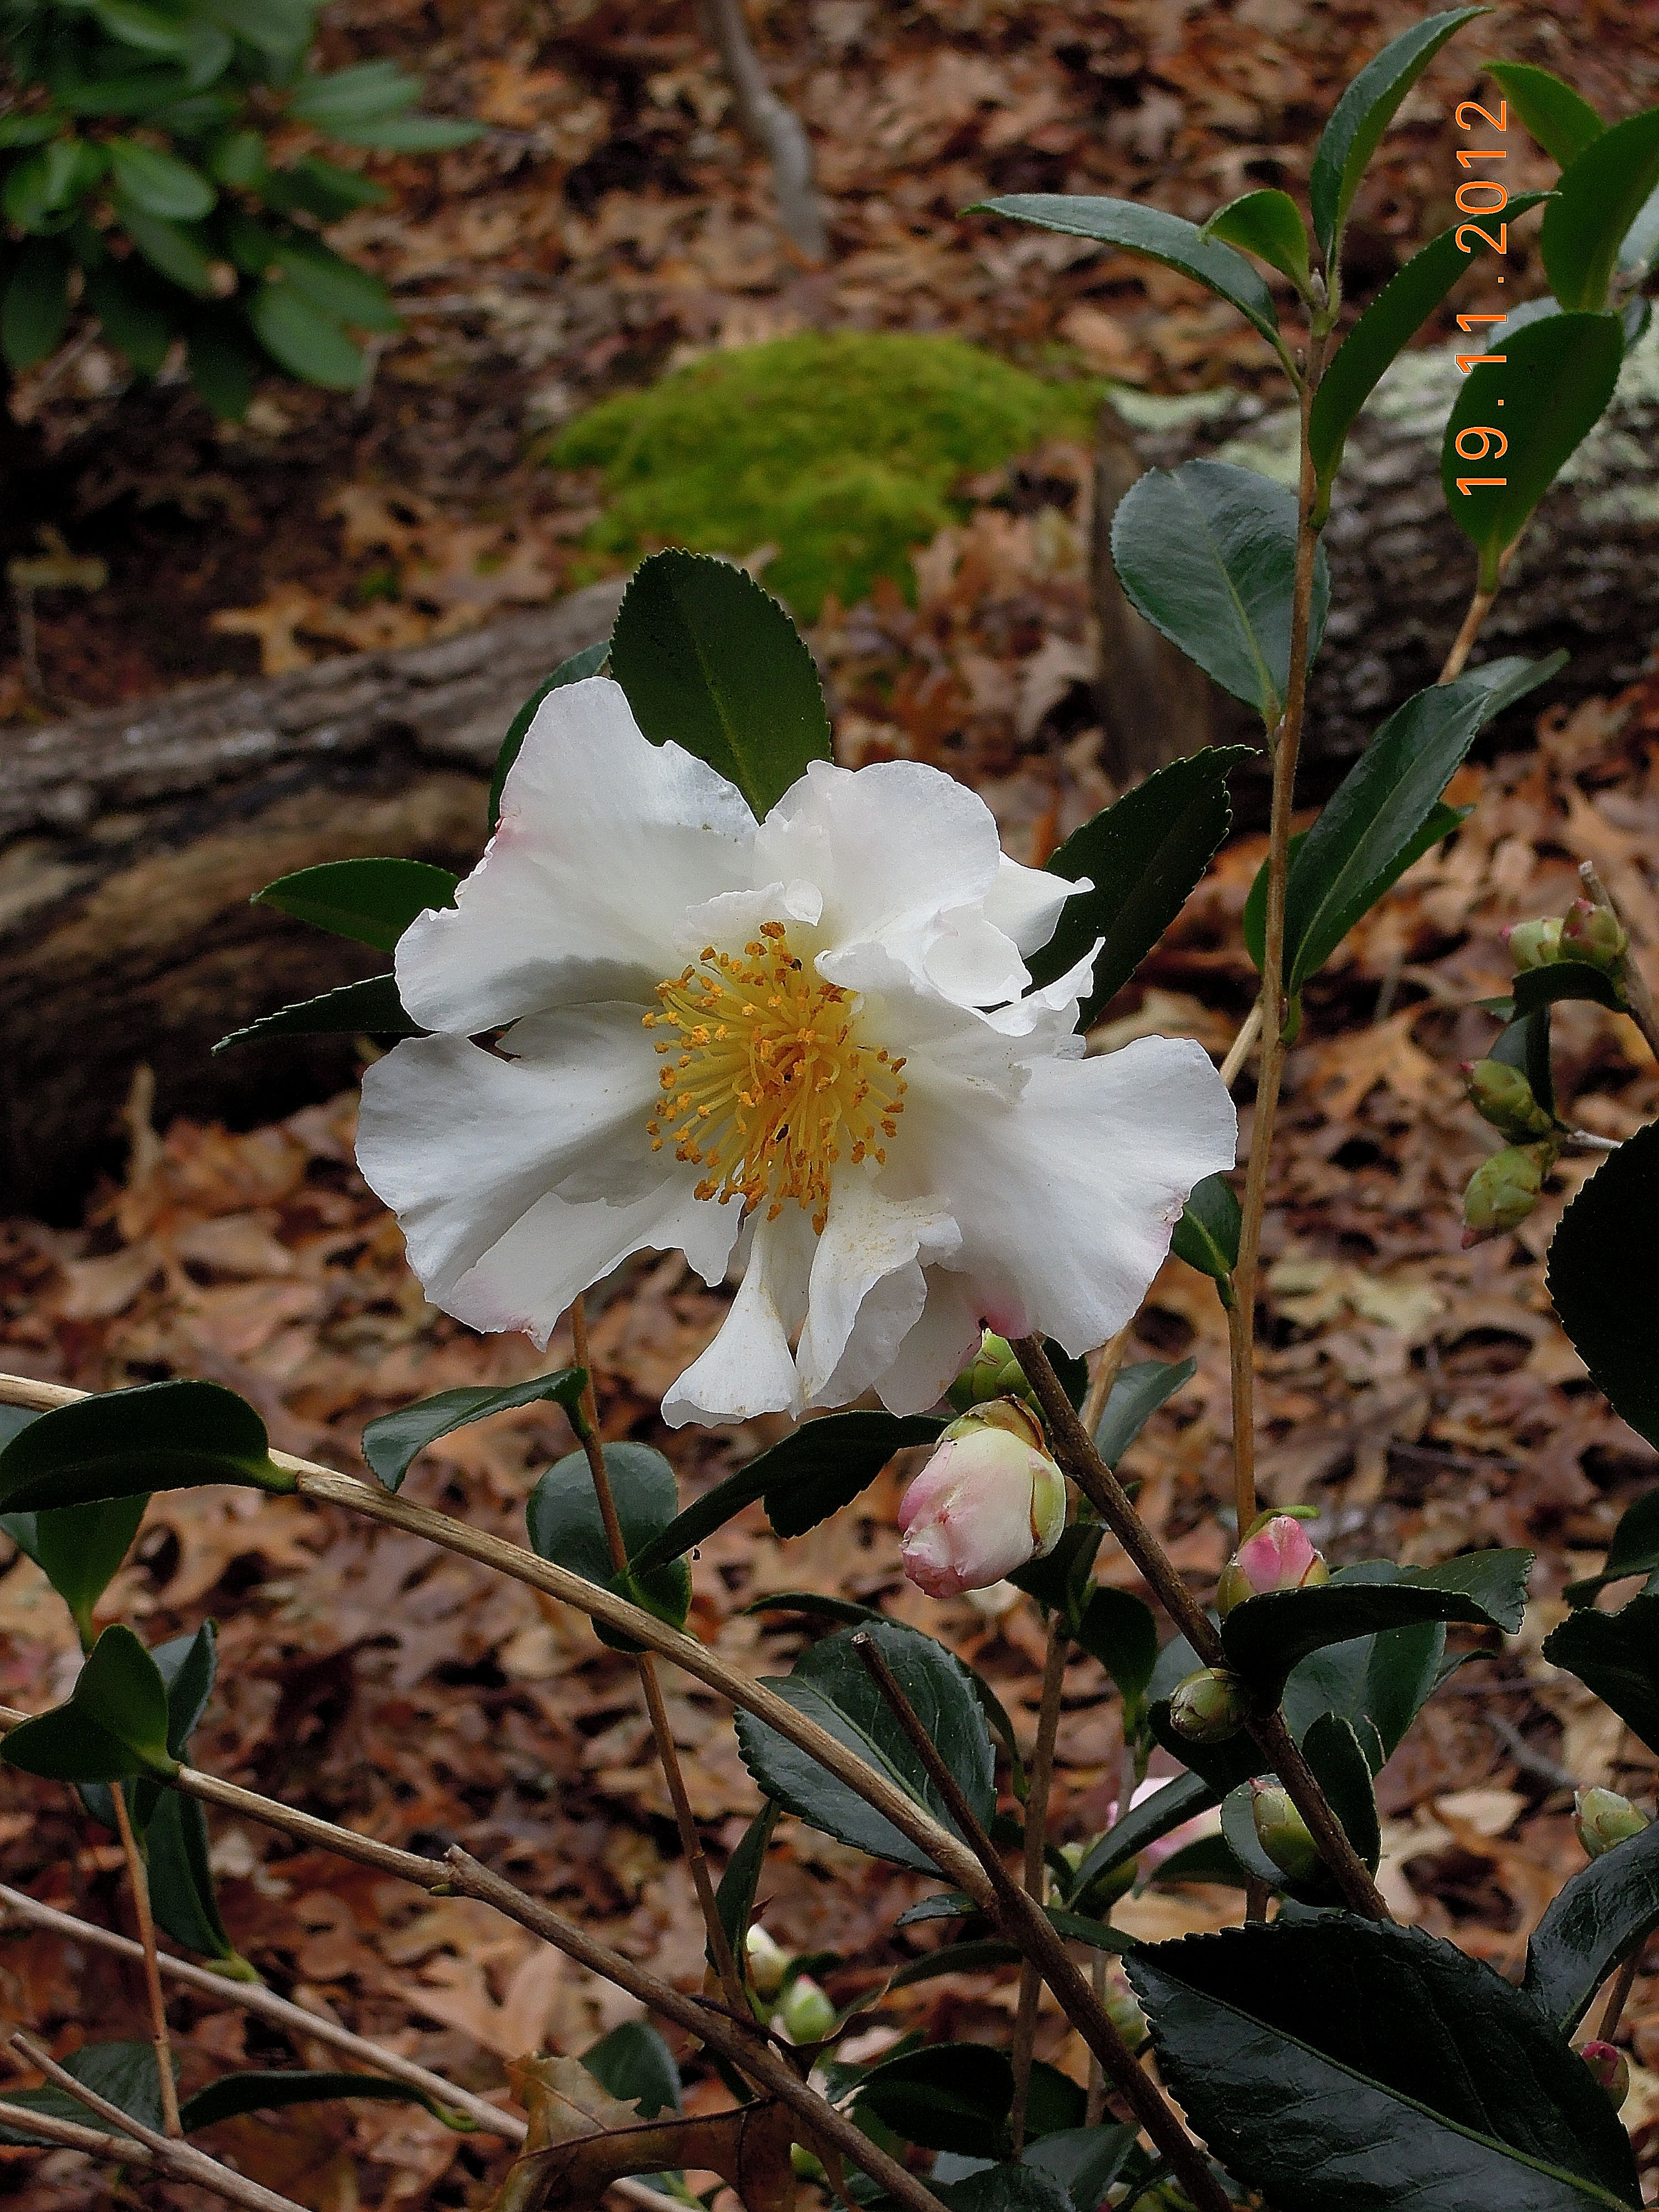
132, 840
1586, 574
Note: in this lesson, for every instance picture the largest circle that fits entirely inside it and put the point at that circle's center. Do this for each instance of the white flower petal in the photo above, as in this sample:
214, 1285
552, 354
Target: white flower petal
747, 1369
866, 1290
1067, 1195
732, 916
1024, 903
939, 1346
604, 841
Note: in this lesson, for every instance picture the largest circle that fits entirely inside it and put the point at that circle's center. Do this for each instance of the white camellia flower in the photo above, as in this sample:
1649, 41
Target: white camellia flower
808, 1043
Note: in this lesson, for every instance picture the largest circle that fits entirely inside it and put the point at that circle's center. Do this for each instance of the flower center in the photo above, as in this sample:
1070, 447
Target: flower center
770, 1086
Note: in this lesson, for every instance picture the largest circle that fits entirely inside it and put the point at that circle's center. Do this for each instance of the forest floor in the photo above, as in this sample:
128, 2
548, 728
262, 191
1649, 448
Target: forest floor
1423, 1397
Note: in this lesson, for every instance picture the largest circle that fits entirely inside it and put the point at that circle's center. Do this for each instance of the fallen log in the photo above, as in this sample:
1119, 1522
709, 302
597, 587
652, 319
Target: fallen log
1586, 574
130, 842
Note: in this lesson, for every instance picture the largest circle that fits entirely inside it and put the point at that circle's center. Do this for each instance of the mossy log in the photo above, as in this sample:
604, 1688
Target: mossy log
1586, 574
130, 842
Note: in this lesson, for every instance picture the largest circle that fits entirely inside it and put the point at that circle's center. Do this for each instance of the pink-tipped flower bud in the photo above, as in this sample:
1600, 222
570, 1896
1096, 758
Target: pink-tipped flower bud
989, 1500
1534, 943
1602, 1818
806, 2015
1275, 1556
1501, 1094
1611, 2068
768, 1962
1209, 1706
1503, 1190
1594, 934
1283, 1834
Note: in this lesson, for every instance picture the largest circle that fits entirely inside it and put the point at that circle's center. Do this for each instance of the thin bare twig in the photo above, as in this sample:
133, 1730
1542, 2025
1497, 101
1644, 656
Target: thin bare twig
773, 126
69, 2135
1107, 1367
181, 2160
1618, 1996
1028, 1925
1480, 607
138, 1883
1239, 1050
255, 1997
1036, 1870
1241, 1356
586, 1425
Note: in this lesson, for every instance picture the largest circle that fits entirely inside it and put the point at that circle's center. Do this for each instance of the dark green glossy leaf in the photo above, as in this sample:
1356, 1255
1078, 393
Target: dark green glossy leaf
176, 252
182, 1892
1591, 1925
1150, 231
713, 662
371, 1008
130, 314
580, 665
1147, 1823
112, 1726
817, 1605
1601, 1279
1634, 1550
1141, 1388
1375, 818
335, 287
1383, 333
34, 313
1244, 1845
79, 1548
1266, 1637
565, 1527
160, 1436
1082, 2162
302, 339
947, 2096
637, 2067
1554, 381
362, 93
1535, 987
1144, 855
1120, 1633
233, 2094
122, 2073
735, 1898
1340, 2065
1333, 1749
1597, 198
160, 184
1563, 124
1615, 1656
1206, 552
1364, 114
1062, 1580
819, 1468
1001, 2188
395, 1440
372, 900
1267, 223
831, 1685
1206, 1236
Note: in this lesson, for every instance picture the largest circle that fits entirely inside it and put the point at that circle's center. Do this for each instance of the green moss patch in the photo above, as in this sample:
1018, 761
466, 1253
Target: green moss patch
841, 450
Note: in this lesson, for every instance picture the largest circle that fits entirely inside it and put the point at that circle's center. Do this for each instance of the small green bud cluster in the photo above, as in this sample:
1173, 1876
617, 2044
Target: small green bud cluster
993, 1372
1586, 932
1501, 1094
795, 2004
1503, 1190
1209, 1706
1601, 1818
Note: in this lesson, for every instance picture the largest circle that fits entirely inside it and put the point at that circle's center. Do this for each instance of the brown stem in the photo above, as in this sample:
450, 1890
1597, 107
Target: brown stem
1036, 1829
181, 2161
138, 1883
1618, 1996
1241, 1354
764, 2065
1094, 2109
586, 1424
255, 1997
1076, 1454
1480, 607
1639, 998
1028, 1925
774, 128
1239, 1050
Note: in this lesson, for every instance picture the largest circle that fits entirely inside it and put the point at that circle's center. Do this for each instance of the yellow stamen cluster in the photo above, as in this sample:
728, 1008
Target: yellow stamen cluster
769, 1088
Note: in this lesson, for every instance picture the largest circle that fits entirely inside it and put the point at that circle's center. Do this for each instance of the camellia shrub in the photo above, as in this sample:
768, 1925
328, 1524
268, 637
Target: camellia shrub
141, 184
707, 991
841, 451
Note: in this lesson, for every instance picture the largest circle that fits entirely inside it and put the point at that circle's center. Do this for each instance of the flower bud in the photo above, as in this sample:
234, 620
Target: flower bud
1209, 1706
1123, 2008
1501, 1094
1105, 1889
1276, 1556
1503, 1190
1611, 2068
1283, 1834
1594, 934
1534, 943
806, 2015
805, 2164
993, 1372
1601, 1818
989, 1500
768, 1961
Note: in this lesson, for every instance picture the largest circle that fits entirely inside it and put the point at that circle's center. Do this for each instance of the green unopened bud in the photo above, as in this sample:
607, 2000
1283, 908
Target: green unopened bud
1501, 1094
1534, 943
1209, 1706
1283, 1834
993, 1372
1123, 2008
768, 1961
805, 2164
806, 2015
1601, 1818
1503, 1190
1594, 934
1611, 2068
